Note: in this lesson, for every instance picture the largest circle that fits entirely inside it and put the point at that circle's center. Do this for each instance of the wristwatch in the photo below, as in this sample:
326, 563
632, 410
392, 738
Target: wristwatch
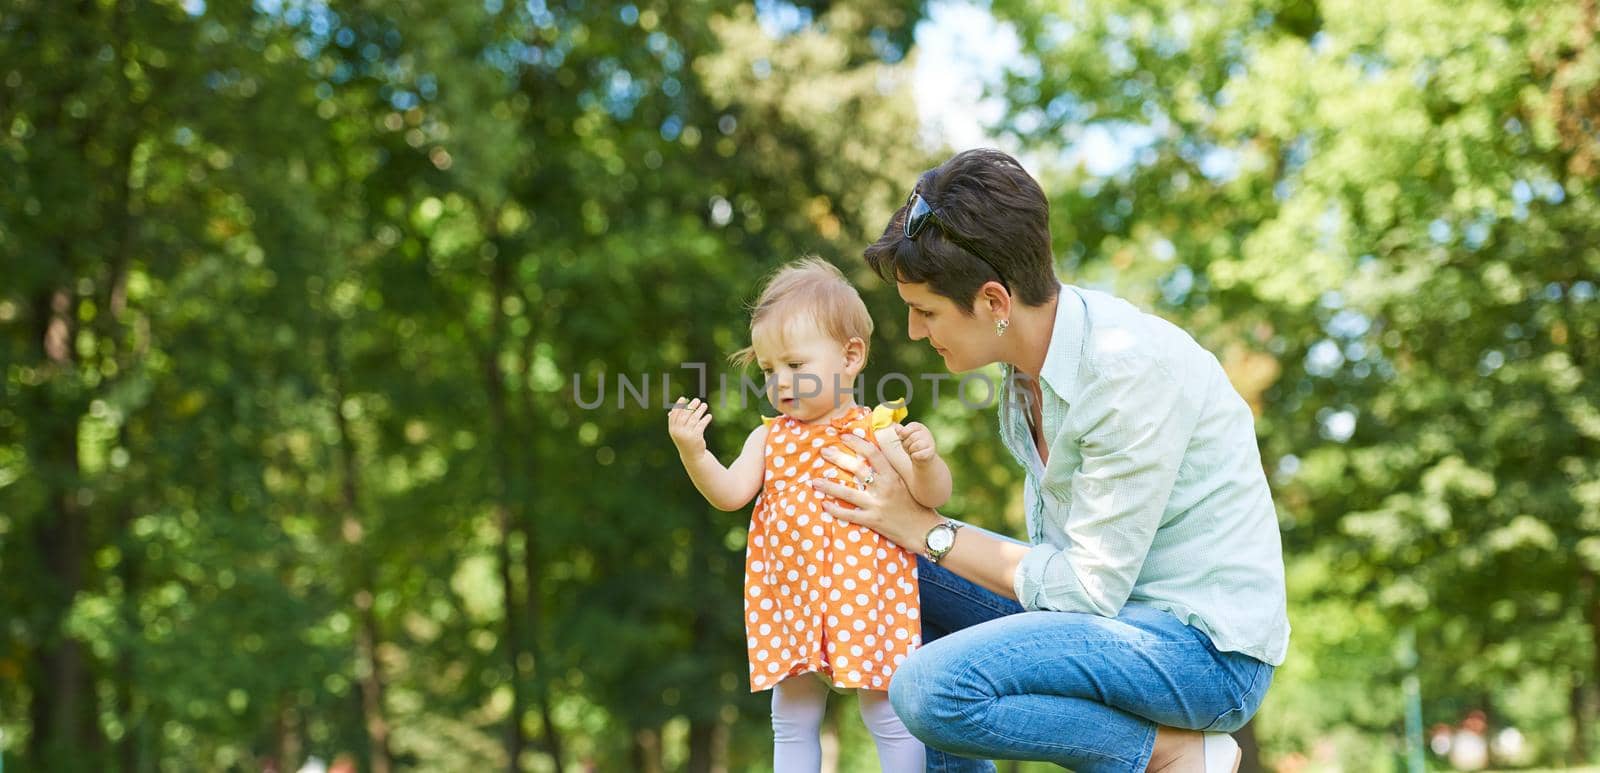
940, 539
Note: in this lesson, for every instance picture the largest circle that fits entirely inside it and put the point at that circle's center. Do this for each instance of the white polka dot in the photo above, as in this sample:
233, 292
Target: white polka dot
756, 566
761, 655
777, 461
860, 626
846, 609
861, 598
911, 614
788, 449
772, 668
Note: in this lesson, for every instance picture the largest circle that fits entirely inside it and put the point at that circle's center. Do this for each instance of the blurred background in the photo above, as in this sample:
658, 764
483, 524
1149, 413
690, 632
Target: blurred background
301, 305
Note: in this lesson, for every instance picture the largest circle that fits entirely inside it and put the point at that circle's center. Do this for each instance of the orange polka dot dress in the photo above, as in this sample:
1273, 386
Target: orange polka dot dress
820, 594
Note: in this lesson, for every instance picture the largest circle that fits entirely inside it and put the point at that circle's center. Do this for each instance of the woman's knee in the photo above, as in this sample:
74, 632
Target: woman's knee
928, 696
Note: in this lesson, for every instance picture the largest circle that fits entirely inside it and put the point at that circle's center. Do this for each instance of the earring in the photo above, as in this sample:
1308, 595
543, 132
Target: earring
1000, 326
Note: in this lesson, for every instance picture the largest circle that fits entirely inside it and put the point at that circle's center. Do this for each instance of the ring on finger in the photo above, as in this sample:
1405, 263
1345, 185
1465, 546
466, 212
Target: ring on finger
867, 477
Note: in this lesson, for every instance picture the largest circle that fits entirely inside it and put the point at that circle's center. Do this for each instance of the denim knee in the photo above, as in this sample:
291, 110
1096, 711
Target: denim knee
924, 695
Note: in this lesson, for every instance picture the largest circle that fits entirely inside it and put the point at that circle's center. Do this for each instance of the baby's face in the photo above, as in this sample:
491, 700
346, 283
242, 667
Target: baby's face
808, 372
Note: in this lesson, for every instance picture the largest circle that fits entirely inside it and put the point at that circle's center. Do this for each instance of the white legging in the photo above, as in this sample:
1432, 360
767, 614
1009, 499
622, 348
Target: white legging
797, 706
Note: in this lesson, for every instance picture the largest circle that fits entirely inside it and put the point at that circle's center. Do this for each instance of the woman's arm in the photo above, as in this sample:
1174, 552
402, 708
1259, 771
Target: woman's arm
726, 488
888, 507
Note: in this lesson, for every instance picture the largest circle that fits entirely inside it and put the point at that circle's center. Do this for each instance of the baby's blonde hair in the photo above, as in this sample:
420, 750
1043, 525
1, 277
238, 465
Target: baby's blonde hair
808, 290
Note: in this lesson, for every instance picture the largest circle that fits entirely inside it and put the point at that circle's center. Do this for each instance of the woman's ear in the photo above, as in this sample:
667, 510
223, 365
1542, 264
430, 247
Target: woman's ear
855, 355
993, 298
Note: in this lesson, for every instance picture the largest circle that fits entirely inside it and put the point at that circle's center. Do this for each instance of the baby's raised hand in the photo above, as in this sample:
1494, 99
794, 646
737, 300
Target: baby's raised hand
687, 422
917, 442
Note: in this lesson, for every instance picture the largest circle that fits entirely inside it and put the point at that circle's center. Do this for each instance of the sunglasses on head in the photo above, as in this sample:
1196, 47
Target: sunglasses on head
920, 213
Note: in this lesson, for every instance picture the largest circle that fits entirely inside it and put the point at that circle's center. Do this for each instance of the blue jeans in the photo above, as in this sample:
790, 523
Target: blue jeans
992, 681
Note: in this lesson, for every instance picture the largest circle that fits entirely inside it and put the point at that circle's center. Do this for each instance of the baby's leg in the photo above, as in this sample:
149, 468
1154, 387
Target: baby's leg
898, 751
797, 706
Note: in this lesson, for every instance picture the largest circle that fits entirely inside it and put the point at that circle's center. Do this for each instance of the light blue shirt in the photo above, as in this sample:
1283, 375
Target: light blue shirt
1154, 492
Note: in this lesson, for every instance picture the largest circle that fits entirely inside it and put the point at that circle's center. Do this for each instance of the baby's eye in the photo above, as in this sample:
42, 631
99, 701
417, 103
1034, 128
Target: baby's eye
796, 365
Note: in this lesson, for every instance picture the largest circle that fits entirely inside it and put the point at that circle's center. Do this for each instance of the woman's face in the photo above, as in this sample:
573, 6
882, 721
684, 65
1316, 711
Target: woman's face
965, 341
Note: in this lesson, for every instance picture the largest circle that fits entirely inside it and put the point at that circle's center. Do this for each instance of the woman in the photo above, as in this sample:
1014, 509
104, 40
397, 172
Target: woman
1143, 619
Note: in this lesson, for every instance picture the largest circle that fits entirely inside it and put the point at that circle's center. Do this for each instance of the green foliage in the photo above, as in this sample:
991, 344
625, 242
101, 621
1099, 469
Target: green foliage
298, 301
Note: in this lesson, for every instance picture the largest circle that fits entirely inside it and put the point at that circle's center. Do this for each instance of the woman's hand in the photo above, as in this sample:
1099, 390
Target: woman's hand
885, 505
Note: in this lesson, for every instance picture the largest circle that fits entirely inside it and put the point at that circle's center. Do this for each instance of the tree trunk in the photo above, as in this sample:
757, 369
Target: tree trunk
647, 751
62, 709
1250, 761
701, 734
369, 669
1582, 716
494, 386
1578, 752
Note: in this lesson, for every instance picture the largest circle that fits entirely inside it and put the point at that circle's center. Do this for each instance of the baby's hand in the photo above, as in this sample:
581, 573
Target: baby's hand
918, 442
687, 422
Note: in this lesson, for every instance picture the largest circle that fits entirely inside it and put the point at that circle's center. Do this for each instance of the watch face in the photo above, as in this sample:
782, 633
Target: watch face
940, 539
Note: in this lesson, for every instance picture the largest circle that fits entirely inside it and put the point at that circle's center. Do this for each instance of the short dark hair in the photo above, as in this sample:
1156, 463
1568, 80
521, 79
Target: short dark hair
992, 225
